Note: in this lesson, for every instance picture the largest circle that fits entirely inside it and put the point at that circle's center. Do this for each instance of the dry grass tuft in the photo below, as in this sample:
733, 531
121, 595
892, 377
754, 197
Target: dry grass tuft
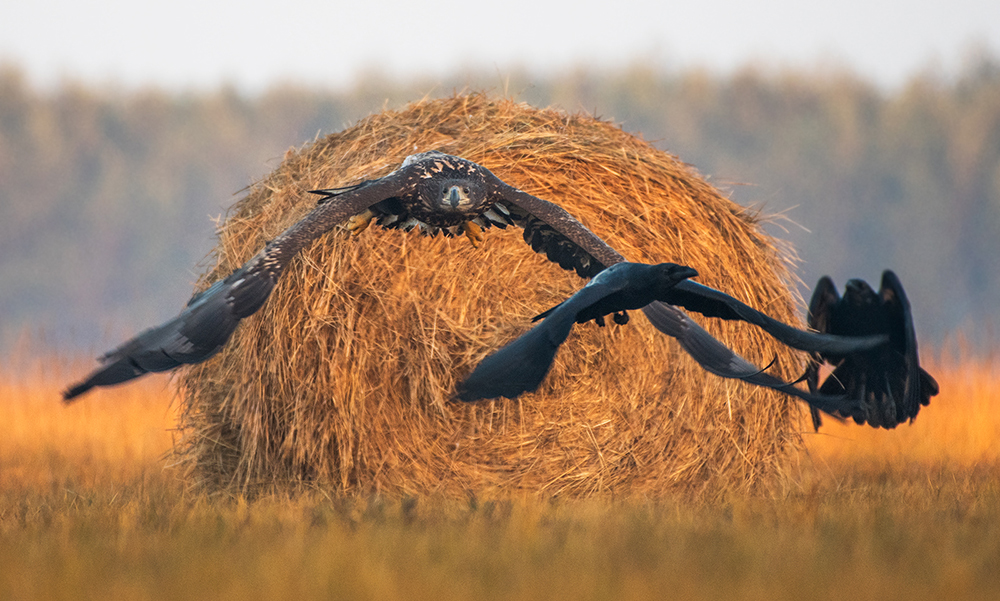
343, 379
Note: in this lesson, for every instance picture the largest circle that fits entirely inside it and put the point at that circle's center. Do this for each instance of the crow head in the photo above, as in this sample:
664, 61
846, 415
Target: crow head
859, 294
669, 274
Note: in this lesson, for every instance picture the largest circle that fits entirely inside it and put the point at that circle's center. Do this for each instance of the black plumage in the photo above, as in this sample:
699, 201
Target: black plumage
710, 302
888, 379
521, 365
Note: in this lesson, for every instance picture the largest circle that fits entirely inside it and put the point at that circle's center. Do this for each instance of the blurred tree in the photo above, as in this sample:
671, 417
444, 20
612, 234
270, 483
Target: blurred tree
107, 197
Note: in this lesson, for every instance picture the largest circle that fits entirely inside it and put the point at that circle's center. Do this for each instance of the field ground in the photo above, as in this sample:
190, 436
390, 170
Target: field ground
91, 508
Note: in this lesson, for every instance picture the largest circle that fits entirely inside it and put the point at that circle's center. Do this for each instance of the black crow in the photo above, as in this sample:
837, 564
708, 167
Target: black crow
521, 365
887, 379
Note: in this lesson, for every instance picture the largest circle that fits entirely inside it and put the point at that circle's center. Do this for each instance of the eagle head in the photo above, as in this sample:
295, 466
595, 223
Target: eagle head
448, 196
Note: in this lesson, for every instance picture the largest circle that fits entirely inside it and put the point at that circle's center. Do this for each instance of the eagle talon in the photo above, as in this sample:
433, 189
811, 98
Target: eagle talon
474, 233
359, 222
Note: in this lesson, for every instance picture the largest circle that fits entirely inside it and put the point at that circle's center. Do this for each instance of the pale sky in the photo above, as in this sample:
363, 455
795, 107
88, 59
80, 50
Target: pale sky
251, 44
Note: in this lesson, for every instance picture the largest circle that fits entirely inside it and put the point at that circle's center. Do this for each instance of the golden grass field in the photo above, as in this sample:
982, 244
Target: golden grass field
91, 507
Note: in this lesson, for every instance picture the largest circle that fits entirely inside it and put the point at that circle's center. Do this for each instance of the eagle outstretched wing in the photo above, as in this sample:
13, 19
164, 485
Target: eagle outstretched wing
550, 230
208, 320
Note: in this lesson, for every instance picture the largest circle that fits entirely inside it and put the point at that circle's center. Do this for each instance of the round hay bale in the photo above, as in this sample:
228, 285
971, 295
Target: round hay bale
343, 379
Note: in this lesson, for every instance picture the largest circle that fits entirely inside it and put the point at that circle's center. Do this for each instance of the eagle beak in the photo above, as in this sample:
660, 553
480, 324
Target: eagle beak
454, 196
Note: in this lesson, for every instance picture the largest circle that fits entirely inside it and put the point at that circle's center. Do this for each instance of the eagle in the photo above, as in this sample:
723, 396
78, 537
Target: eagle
433, 193
887, 379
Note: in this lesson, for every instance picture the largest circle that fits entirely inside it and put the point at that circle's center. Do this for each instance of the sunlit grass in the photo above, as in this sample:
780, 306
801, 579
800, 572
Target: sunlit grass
91, 507
959, 429
117, 436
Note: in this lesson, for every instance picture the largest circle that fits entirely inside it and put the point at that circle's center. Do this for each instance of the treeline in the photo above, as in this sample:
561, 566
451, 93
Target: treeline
107, 197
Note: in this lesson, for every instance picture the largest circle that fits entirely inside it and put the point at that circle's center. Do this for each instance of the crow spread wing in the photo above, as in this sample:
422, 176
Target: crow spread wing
714, 303
918, 385
521, 365
821, 307
710, 302
550, 230
720, 360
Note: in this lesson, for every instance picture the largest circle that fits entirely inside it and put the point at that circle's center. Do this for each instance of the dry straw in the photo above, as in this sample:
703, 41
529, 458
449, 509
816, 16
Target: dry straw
343, 379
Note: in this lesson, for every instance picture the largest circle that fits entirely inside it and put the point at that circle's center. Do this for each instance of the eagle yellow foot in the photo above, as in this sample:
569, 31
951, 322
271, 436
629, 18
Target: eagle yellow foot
360, 222
474, 233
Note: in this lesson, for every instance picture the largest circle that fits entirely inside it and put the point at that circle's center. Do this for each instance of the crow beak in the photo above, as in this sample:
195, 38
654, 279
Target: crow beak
683, 272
